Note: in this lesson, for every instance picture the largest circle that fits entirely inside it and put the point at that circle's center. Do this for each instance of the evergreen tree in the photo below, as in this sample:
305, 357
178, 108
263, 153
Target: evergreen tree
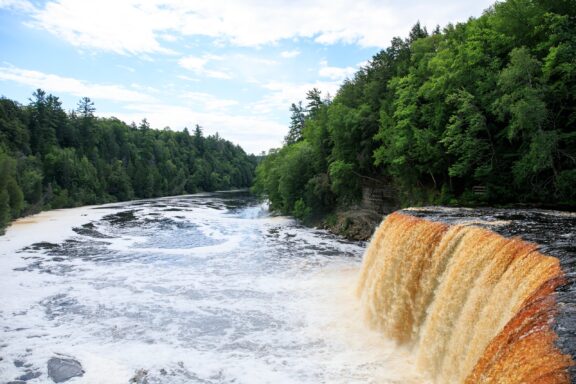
297, 120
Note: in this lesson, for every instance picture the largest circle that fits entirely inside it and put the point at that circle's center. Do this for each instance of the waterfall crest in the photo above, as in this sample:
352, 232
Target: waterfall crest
475, 306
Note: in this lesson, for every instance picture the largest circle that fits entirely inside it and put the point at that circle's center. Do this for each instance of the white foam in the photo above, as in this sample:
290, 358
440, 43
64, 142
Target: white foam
267, 302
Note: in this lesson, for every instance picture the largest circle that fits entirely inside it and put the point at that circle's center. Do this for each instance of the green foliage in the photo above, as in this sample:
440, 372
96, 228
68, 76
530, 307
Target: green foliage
11, 196
467, 138
301, 211
15, 197
521, 101
5, 215
287, 176
50, 159
488, 105
344, 182
565, 185
294, 172
118, 182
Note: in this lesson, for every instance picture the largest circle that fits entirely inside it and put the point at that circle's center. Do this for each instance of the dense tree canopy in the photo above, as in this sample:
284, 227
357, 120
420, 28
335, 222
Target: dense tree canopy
482, 112
53, 159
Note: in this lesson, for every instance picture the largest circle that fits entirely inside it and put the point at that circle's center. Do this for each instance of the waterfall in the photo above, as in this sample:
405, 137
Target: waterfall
476, 307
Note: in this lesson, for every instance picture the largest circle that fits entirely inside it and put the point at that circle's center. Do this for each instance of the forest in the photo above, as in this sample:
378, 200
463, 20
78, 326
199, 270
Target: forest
50, 158
476, 113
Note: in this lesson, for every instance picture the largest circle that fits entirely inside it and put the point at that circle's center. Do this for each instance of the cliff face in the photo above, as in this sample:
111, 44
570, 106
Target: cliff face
356, 223
360, 221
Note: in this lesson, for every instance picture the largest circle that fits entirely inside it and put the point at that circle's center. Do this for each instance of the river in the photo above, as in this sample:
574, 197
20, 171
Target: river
206, 288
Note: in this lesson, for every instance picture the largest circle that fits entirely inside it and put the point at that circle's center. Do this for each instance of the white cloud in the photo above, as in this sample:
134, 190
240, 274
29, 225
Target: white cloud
124, 27
188, 78
56, 83
168, 37
252, 69
239, 66
209, 102
138, 26
198, 66
335, 73
21, 5
192, 63
290, 54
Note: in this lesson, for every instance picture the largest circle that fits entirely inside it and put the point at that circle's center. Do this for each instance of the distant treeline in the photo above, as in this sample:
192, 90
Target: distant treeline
53, 159
482, 112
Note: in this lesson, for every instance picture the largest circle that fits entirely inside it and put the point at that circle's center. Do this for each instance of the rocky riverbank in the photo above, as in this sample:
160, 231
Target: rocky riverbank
354, 224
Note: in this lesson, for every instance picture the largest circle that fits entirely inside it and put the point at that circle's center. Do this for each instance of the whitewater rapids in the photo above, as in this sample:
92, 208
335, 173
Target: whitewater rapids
196, 289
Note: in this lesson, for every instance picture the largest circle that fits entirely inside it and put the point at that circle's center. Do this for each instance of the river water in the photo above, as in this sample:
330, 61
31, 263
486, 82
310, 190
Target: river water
205, 288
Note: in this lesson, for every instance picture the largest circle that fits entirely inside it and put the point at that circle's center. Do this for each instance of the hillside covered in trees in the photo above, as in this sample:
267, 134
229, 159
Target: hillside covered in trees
53, 159
482, 112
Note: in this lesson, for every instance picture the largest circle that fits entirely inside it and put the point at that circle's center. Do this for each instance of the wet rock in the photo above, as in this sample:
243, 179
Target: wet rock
29, 376
60, 370
90, 231
18, 363
354, 224
43, 245
141, 377
122, 219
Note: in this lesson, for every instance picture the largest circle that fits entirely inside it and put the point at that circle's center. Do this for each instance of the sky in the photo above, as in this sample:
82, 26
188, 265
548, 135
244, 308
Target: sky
231, 66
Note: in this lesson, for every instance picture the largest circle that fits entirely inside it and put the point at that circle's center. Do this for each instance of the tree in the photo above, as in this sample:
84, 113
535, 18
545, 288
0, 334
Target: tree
314, 97
46, 117
297, 120
467, 138
521, 103
14, 134
86, 124
199, 139
417, 32
11, 197
86, 108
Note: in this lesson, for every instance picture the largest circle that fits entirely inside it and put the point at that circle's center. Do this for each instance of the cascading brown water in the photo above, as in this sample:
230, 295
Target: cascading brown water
476, 307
